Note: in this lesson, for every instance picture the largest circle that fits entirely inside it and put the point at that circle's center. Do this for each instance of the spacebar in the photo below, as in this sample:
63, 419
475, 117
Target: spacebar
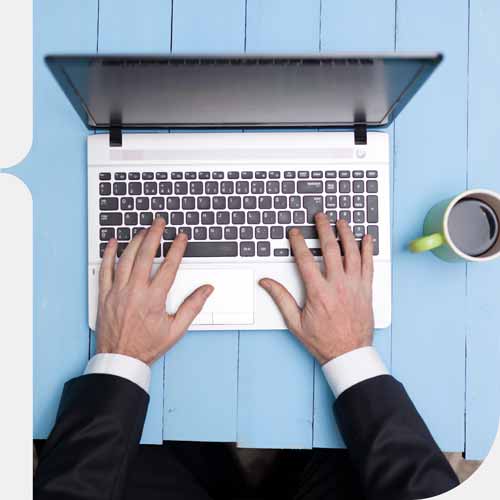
208, 249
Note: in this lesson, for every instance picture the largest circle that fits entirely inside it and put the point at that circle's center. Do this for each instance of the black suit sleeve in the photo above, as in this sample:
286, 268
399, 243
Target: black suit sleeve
96, 434
389, 444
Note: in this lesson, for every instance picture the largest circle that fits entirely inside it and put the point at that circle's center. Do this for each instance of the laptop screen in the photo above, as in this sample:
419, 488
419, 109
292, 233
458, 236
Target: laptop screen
234, 91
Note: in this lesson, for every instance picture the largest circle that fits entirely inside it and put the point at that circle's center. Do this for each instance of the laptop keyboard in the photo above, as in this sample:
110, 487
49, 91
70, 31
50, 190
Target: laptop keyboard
236, 213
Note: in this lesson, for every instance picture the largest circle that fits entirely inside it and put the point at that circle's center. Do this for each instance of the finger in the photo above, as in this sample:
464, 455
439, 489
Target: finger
308, 268
367, 259
329, 246
189, 309
126, 261
285, 302
147, 251
352, 257
165, 275
107, 268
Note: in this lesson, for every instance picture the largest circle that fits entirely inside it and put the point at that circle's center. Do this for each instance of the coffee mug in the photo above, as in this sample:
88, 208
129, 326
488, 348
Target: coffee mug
463, 228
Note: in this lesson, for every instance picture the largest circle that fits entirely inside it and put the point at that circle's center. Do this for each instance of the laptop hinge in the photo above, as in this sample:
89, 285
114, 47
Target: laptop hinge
360, 138
115, 136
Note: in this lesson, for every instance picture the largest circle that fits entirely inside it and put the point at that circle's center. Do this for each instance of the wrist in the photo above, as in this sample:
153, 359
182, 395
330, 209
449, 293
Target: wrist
337, 351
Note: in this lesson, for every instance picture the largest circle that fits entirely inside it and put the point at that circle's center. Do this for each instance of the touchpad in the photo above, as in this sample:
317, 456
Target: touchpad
231, 303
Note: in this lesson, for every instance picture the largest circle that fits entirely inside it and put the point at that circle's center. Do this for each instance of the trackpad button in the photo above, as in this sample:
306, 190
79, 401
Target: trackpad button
231, 303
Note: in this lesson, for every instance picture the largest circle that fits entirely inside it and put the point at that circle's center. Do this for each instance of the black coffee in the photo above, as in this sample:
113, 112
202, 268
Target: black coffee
473, 226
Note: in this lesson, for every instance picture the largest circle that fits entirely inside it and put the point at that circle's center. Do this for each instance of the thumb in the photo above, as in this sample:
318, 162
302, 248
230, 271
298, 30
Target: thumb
285, 302
190, 308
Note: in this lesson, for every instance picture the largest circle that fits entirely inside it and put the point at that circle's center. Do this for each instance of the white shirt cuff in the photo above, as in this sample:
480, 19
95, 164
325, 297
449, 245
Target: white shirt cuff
122, 366
353, 367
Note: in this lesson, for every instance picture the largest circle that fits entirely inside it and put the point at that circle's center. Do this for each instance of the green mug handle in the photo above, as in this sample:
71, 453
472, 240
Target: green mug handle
425, 243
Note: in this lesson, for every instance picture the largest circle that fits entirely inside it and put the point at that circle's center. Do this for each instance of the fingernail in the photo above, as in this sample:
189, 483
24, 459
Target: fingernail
208, 290
294, 232
264, 283
182, 236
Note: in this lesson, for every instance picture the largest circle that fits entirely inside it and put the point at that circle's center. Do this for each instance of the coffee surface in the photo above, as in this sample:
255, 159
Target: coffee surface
473, 226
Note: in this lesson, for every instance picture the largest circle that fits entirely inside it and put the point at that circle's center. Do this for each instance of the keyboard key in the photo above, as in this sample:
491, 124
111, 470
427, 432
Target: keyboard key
299, 217
188, 202
234, 203
344, 174
294, 202
331, 186
105, 188
371, 174
253, 217
219, 203
309, 187
277, 233
131, 219
358, 174
303, 174
247, 249
176, 176
344, 201
313, 205
196, 187
169, 233
200, 233
284, 217
217, 175
208, 249
331, 201
147, 176
317, 174
289, 174
371, 209
119, 188
272, 187
247, 175
146, 219
308, 232
211, 188
163, 215
127, 203
263, 249
227, 187
358, 186
233, 175
260, 174
189, 175
332, 216
265, 202
331, 174
345, 186
358, 201
281, 252
186, 231
135, 230
135, 188
223, 218
280, 202
230, 233
257, 187
157, 203
123, 234
161, 176
120, 249
274, 174
238, 217
120, 176
102, 247
104, 176
358, 216
269, 217
173, 203
261, 233
165, 188
180, 188
106, 233
108, 203
345, 215
176, 218
142, 203
371, 186
192, 218
359, 231
373, 231
246, 233
288, 187
249, 202
204, 175
110, 219
242, 187
215, 233
150, 188
203, 203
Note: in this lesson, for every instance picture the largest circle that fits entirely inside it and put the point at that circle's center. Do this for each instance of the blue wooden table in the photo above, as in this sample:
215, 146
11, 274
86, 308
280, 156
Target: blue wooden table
261, 389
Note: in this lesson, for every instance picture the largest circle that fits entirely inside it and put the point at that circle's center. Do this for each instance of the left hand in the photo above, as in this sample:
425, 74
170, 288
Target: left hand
131, 318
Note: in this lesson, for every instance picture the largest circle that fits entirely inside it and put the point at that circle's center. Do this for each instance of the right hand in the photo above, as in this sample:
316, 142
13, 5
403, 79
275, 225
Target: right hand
337, 316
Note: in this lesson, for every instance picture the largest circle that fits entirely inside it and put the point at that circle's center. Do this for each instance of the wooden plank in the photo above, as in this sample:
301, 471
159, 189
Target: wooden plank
343, 28
483, 311
55, 172
200, 397
429, 295
139, 27
275, 384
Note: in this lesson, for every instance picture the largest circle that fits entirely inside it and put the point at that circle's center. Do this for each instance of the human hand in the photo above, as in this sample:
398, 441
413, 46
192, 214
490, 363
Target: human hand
337, 316
131, 317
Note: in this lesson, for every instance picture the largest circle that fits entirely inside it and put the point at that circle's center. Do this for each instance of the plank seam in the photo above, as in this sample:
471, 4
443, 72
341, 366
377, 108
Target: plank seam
171, 25
98, 22
320, 42
245, 40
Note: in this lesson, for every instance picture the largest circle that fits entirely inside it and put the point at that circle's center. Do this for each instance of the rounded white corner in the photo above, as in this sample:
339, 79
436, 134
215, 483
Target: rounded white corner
16, 186
19, 155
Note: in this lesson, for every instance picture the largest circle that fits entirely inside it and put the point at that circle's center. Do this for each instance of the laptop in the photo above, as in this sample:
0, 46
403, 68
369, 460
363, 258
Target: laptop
234, 151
